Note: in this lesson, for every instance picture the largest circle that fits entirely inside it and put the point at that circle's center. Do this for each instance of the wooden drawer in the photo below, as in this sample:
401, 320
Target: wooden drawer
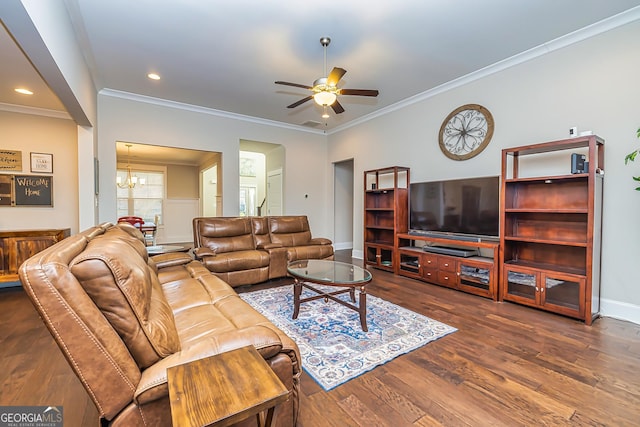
446, 278
447, 264
430, 274
429, 260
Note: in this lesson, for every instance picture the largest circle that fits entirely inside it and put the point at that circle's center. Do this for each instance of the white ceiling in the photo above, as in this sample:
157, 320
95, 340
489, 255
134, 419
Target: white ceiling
226, 55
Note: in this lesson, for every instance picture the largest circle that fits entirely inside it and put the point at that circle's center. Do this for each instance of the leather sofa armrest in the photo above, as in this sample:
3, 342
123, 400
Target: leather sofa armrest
171, 259
278, 259
153, 382
202, 252
320, 241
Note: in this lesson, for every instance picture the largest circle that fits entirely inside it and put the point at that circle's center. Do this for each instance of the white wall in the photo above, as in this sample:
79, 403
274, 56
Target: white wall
160, 124
27, 133
592, 85
44, 32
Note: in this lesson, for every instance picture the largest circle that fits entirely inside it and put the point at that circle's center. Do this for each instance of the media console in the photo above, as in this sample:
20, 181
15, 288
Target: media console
463, 264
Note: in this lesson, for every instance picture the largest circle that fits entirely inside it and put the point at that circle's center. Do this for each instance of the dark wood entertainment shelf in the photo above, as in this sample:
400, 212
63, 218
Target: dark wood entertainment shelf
478, 274
551, 229
386, 201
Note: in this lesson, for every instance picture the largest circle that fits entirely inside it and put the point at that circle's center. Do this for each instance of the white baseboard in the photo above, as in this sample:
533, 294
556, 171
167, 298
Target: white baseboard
620, 310
357, 254
342, 246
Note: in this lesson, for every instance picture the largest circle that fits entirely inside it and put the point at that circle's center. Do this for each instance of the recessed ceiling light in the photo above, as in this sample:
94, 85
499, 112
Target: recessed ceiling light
153, 76
23, 91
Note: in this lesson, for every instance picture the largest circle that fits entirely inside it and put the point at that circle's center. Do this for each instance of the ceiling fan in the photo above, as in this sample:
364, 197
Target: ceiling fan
325, 89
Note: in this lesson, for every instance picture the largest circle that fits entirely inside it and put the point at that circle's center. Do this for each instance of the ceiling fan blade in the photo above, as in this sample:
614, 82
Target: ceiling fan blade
302, 101
293, 84
335, 75
337, 108
359, 92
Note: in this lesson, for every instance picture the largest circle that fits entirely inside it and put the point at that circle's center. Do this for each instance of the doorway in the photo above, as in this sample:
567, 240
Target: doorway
274, 192
269, 179
211, 199
181, 193
343, 182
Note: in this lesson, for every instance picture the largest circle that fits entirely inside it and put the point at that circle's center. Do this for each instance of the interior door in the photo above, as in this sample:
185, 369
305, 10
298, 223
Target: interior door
274, 192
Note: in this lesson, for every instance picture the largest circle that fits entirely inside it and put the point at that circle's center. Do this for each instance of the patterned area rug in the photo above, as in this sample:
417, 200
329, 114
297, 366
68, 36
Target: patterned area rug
333, 347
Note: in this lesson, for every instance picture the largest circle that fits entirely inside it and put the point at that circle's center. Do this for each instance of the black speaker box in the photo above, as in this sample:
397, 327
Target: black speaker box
579, 163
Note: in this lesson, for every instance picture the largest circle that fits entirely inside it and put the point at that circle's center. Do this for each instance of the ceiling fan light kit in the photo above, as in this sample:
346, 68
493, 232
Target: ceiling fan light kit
325, 98
325, 89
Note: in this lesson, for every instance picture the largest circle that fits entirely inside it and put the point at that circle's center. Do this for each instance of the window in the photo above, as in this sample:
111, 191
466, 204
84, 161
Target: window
248, 200
143, 200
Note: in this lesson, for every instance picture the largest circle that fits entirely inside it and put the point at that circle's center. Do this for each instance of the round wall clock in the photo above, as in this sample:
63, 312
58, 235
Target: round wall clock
466, 132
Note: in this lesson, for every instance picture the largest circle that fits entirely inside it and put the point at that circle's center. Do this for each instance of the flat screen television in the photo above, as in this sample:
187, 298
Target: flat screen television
468, 207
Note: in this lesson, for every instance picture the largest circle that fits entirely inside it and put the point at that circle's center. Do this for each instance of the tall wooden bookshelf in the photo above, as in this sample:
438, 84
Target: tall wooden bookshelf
386, 204
551, 229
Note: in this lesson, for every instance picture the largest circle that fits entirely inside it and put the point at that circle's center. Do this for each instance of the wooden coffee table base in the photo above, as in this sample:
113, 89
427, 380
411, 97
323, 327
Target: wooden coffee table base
361, 308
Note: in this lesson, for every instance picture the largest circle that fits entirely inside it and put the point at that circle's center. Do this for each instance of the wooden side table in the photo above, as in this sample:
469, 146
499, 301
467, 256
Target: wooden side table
224, 389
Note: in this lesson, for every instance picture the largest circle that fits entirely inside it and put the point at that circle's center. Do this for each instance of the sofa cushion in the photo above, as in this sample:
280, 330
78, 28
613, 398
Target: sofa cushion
225, 234
260, 228
127, 291
235, 261
289, 230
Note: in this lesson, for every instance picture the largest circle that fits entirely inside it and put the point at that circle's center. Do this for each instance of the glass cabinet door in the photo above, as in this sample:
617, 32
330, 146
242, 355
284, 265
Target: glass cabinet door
522, 285
563, 291
410, 263
371, 254
386, 257
379, 256
474, 275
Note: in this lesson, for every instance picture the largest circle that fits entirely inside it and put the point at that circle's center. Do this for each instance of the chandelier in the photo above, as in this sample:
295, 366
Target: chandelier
131, 180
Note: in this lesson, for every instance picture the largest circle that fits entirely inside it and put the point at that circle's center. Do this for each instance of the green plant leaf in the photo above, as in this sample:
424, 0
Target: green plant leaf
638, 133
630, 157
636, 178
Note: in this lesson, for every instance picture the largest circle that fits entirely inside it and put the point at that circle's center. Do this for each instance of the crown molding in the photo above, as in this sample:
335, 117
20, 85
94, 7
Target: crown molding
35, 111
204, 110
577, 36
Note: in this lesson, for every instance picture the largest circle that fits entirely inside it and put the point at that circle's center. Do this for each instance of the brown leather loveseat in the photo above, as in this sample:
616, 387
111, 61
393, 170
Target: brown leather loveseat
250, 250
121, 319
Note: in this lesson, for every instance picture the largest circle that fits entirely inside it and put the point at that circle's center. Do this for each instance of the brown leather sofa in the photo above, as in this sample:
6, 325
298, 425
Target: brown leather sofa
250, 250
121, 319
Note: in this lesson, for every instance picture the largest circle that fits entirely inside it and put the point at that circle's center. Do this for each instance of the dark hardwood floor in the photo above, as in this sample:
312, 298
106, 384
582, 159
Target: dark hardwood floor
507, 365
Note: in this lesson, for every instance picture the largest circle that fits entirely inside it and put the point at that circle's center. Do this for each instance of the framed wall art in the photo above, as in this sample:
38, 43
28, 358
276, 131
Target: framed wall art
10, 160
26, 190
247, 167
33, 190
42, 162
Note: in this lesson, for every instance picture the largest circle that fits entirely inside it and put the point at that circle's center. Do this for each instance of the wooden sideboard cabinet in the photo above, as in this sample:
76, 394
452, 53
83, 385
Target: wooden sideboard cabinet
16, 246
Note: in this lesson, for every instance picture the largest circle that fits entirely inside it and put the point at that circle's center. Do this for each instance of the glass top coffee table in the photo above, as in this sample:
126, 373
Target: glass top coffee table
348, 277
